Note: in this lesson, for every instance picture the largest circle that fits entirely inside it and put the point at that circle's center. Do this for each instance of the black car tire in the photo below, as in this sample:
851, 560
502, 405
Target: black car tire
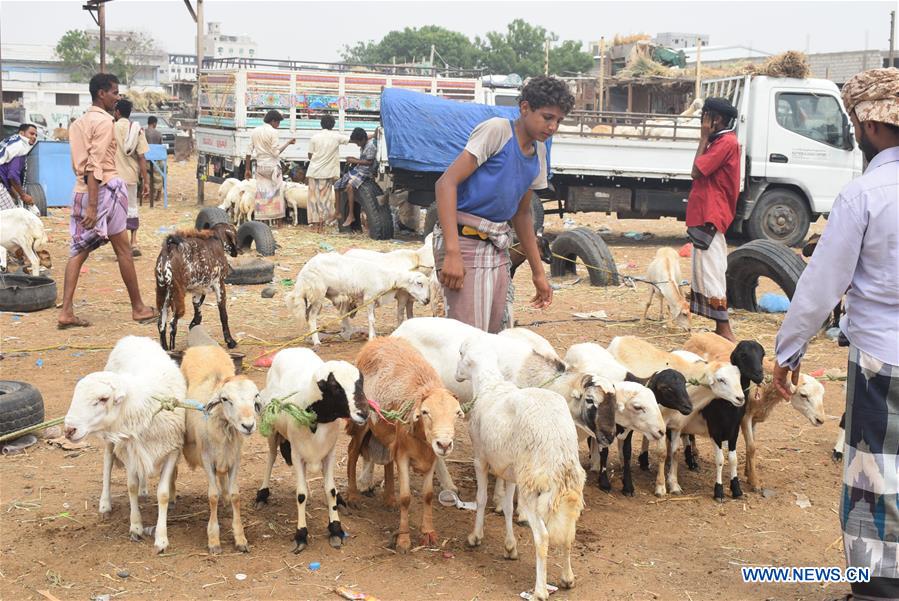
21, 406
21, 293
37, 195
258, 233
589, 247
259, 271
210, 216
375, 217
760, 258
780, 215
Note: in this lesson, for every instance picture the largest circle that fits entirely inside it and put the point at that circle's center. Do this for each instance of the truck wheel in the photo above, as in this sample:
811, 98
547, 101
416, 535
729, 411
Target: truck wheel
537, 212
23, 293
37, 194
591, 250
779, 215
258, 233
375, 217
760, 258
21, 406
209, 216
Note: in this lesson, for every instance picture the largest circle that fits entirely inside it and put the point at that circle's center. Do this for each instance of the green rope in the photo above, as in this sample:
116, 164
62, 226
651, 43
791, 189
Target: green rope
466, 407
398, 415
45, 424
303, 417
170, 404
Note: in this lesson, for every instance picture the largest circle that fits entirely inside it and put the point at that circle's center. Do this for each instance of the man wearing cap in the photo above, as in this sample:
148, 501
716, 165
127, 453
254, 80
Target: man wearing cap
710, 210
859, 250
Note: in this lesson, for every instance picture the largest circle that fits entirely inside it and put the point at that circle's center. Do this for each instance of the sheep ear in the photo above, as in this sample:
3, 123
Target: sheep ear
118, 391
416, 415
619, 405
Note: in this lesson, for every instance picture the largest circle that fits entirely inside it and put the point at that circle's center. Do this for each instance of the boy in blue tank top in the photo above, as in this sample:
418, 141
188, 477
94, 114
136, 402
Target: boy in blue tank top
488, 185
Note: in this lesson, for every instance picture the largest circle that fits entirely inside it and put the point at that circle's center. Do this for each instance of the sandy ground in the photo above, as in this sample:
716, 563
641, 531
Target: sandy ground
640, 548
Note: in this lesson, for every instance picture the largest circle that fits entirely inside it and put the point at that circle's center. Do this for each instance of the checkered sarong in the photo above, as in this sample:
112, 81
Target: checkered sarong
869, 509
6, 199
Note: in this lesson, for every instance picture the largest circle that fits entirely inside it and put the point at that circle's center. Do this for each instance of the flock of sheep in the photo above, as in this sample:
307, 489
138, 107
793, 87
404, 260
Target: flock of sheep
526, 408
238, 198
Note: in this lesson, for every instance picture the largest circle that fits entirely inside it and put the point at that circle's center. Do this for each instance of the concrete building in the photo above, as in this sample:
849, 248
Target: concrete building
148, 64
220, 45
678, 40
840, 66
720, 56
180, 67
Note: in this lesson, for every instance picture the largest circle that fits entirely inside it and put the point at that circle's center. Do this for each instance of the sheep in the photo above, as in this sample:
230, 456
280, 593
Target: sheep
664, 274
21, 230
720, 420
403, 259
707, 381
121, 404
225, 187
245, 204
837, 453
535, 447
214, 438
348, 283
230, 198
685, 125
193, 261
666, 389
397, 376
330, 390
297, 195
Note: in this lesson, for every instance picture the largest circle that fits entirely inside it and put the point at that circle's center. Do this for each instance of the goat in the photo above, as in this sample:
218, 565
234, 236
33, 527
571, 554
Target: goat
533, 446
193, 261
121, 405
330, 390
664, 274
215, 438
22, 230
397, 376
348, 283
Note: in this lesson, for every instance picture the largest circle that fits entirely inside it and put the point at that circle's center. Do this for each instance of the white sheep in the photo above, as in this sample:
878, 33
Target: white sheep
230, 197
214, 438
122, 405
534, 446
245, 204
225, 187
331, 390
22, 229
348, 283
664, 274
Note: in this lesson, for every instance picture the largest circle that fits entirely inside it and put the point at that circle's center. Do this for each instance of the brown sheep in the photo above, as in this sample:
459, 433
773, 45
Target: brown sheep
398, 377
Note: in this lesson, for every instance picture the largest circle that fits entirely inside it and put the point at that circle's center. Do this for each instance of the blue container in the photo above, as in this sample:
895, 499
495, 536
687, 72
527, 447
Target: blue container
50, 169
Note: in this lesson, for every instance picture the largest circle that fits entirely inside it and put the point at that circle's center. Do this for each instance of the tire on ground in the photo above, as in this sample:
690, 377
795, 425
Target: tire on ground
24, 293
37, 194
258, 233
780, 215
589, 248
209, 216
21, 406
760, 258
375, 216
258, 271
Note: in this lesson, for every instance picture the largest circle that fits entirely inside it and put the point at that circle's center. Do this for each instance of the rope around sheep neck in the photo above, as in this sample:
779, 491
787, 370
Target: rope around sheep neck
303, 417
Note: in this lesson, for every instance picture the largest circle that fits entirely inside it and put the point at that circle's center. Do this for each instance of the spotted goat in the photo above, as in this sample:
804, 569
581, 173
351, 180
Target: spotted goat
193, 261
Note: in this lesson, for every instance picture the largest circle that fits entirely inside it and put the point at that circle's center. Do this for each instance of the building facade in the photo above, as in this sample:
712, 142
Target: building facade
679, 40
220, 45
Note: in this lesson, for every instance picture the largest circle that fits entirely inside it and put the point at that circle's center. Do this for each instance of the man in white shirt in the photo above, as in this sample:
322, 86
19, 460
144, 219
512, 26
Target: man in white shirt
131, 146
323, 171
264, 144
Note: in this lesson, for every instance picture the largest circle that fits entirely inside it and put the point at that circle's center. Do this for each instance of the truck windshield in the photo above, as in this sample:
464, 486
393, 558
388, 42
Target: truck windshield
142, 119
812, 116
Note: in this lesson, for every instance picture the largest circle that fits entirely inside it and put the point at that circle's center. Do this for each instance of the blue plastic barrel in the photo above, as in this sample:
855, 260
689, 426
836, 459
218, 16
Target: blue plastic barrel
50, 169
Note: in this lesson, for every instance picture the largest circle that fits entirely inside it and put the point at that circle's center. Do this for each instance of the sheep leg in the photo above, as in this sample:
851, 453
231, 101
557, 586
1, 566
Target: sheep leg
301, 538
33, 261
624, 452
673, 442
603, 483
335, 531
735, 490
371, 321
510, 545
541, 548
749, 437
144, 489
837, 454
444, 477
352, 457
312, 319
161, 320
212, 494
690, 454
105, 503
661, 489
198, 300
719, 467
499, 493
409, 312
2, 258
652, 293
367, 482
389, 497
162, 501
240, 539
263, 493
137, 527
222, 298
403, 542
643, 457
428, 534
480, 471
594, 454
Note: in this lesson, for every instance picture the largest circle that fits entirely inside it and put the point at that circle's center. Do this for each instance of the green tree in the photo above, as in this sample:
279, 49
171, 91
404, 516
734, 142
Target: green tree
521, 49
412, 44
129, 54
78, 54
567, 58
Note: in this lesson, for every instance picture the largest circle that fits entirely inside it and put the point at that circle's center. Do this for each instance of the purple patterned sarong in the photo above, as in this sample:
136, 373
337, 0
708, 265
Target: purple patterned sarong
112, 212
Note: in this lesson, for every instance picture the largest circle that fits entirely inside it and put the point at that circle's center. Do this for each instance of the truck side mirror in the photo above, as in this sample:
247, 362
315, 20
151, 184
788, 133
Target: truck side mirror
848, 134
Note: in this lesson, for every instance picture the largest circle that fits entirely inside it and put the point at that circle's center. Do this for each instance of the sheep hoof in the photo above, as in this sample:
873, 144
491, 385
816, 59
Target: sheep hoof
353, 501
566, 582
336, 534
628, 491
300, 540
231, 343
511, 553
603, 482
735, 490
521, 521
242, 547
429, 539
298, 547
105, 513
675, 490
660, 491
390, 502
452, 487
402, 543
261, 498
498, 509
719, 492
474, 540
136, 537
161, 546
542, 595
836, 456
643, 460
215, 549
335, 541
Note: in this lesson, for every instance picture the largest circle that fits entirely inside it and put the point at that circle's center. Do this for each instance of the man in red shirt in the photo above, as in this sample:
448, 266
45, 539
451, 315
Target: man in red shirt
710, 211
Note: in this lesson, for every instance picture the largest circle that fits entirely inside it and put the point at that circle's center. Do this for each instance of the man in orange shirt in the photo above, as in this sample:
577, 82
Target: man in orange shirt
99, 202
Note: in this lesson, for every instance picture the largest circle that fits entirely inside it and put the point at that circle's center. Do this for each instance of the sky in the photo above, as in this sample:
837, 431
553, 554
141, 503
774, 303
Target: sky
318, 31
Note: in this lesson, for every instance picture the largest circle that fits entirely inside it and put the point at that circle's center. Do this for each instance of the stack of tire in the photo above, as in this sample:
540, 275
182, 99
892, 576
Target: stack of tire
249, 234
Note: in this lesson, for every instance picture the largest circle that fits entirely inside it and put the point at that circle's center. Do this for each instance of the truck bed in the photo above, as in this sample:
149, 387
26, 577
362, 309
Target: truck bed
595, 155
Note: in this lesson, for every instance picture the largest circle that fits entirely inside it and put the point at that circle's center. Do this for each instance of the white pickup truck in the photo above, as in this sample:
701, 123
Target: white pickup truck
797, 149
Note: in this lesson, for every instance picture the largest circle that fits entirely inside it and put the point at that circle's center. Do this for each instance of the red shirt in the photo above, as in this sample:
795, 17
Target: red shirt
713, 195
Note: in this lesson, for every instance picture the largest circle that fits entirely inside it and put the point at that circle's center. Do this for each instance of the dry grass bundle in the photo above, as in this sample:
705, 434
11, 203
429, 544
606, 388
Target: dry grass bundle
147, 101
642, 66
791, 63
620, 40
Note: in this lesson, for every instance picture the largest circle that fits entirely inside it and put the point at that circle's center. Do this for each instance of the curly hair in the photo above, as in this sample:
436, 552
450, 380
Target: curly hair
544, 90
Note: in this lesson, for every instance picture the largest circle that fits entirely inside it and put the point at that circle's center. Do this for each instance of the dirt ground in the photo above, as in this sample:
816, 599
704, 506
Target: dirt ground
640, 548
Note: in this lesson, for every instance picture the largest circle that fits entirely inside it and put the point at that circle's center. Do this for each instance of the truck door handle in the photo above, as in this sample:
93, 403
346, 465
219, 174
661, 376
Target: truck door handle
777, 158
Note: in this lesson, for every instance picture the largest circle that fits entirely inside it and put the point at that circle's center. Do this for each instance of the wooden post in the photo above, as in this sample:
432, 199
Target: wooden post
892, 36
630, 98
698, 86
101, 21
201, 43
546, 56
602, 71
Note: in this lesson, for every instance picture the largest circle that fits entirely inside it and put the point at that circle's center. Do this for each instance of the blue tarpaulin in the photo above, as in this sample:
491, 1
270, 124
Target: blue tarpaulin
427, 133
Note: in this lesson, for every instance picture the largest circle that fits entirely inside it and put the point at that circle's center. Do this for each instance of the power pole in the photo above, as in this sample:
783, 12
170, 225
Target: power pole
602, 71
101, 21
892, 35
698, 85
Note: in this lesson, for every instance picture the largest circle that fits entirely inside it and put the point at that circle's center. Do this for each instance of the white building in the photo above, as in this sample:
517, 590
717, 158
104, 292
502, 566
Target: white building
719, 56
181, 67
677, 39
219, 45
